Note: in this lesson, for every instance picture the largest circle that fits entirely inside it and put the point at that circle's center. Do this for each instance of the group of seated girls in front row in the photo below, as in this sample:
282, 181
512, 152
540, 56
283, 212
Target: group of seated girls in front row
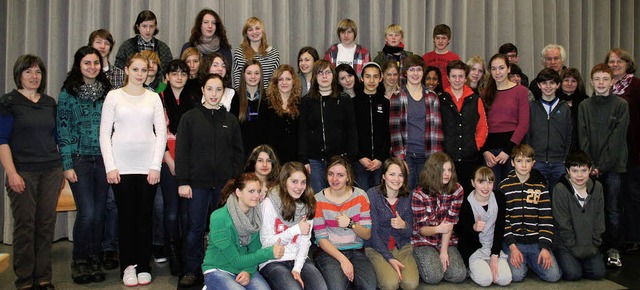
389, 238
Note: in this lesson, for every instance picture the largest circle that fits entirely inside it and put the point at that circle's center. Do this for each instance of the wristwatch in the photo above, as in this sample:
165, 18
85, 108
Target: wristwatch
352, 224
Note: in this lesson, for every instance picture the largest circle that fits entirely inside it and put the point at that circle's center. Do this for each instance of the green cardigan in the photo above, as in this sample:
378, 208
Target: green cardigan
224, 251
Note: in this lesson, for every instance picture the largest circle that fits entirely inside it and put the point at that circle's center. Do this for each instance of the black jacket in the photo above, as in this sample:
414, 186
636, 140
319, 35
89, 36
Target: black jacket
372, 124
208, 147
327, 128
459, 128
550, 136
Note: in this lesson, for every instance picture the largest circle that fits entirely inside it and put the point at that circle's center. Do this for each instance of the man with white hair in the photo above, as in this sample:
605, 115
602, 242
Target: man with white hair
553, 57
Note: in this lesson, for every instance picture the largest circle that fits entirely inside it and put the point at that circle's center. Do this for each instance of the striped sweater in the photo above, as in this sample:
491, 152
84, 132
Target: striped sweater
528, 217
269, 63
326, 226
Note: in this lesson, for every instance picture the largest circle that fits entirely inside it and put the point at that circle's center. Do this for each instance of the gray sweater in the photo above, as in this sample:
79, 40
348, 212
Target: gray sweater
579, 227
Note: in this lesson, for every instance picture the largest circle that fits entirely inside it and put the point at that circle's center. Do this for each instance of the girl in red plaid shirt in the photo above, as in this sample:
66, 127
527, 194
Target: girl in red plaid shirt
435, 204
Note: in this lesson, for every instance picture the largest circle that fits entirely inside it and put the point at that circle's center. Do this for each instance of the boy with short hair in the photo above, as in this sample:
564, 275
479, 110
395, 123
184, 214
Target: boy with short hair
441, 56
511, 51
528, 229
578, 209
550, 128
372, 123
394, 50
603, 120
348, 51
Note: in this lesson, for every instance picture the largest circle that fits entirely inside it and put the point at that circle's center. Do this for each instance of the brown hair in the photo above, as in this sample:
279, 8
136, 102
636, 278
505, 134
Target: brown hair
250, 165
243, 103
442, 29
25, 62
522, 150
623, 55
138, 56
431, 175
288, 203
143, 16
404, 191
341, 160
318, 66
240, 182
489, 93
273, 94
196, 32
484, 173
104, 34
344, 25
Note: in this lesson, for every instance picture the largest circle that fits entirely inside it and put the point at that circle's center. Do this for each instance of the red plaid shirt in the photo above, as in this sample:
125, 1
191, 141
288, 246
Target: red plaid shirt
433, 134
433, 210
360, 57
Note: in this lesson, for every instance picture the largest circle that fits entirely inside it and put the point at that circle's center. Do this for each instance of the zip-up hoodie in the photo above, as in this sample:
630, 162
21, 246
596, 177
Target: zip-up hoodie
208, 147
327, 128
550, 135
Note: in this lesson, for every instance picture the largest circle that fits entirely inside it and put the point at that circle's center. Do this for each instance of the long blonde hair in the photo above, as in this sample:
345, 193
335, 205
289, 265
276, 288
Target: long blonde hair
246, 44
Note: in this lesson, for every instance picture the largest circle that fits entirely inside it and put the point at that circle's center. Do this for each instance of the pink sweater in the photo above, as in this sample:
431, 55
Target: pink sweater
510, 112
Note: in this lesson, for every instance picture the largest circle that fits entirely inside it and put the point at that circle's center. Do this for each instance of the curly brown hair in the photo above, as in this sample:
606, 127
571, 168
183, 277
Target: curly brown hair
273, 94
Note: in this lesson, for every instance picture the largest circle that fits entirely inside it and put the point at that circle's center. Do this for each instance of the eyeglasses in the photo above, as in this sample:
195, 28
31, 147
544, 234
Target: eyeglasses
325, 73
618, 62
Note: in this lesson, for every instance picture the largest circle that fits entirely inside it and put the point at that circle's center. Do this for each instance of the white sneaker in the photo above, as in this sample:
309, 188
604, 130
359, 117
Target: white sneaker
144, 278
129, 277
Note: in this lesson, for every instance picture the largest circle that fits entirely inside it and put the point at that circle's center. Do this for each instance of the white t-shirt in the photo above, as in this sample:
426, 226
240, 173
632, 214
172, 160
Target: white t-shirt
345, 55
127, 139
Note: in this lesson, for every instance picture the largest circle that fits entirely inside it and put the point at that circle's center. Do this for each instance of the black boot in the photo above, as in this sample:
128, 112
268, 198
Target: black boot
174, 256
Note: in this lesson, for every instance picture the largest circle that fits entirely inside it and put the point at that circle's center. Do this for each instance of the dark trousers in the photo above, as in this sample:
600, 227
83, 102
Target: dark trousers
195, 213
134, 198
34, 215
90, 196
171, 200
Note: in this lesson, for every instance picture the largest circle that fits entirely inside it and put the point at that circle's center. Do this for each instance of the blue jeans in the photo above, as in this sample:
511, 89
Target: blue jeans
110, 234
195, 213
415, 162
575, 268
364, 277
318, 174
366, 179
220, 280
632, 203
158, 218
530, 253
171, 200
500, 170
90, 196
552, 171
278, 275
612, 185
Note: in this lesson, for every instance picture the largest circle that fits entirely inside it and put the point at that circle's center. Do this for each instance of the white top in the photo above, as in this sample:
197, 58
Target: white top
133, 148
345, 55
293, 250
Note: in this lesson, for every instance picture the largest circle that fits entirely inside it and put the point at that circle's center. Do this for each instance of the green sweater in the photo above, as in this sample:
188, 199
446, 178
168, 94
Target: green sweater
78, 125
224, 251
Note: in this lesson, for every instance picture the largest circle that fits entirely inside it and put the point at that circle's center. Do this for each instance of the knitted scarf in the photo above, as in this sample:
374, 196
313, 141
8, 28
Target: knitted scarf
489, 216
91, 92
301, 208
207, 46
246, 224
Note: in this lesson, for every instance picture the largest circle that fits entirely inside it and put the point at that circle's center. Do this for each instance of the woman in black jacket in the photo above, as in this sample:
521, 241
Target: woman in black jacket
327, 124
208, 153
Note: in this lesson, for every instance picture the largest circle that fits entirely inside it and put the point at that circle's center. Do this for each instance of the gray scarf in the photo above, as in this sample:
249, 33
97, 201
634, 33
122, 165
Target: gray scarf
207, 46
301, 208
488, 216
246, 224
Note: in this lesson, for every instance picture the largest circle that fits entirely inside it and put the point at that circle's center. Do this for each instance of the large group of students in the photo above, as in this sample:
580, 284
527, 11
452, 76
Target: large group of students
347, 172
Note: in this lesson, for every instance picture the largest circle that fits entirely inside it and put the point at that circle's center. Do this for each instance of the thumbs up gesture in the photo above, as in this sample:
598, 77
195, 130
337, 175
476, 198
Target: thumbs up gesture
304, 226
479, 225
343, 219
397, 222
278, 250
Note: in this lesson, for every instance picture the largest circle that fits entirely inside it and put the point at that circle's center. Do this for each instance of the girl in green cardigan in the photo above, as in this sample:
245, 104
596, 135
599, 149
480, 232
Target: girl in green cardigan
234, 250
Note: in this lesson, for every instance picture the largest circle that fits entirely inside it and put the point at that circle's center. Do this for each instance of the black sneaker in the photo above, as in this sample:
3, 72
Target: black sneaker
109, 260
46, 286
80, 271
159, 255
95, 270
